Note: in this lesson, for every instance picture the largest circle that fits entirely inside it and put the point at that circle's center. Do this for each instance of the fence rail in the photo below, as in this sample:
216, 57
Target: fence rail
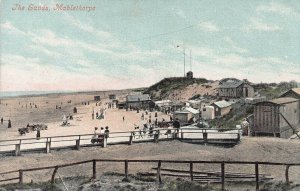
230, 136
222, 176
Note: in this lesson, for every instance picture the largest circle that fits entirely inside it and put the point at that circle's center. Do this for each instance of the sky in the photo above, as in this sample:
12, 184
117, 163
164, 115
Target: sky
136, 43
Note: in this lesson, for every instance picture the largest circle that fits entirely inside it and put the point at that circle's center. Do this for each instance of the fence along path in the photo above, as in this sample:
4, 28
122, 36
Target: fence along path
222, 174
222, 136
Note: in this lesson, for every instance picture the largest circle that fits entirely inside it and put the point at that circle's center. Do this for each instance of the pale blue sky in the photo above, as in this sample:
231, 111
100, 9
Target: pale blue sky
131, 43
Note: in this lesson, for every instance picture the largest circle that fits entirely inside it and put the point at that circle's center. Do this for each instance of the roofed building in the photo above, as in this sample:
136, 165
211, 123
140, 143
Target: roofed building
141, 101
234, 88
268, 121
221, 108
295, 93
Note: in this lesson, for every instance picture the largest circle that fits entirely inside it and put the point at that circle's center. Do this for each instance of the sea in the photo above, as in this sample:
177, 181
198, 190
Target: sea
6, 94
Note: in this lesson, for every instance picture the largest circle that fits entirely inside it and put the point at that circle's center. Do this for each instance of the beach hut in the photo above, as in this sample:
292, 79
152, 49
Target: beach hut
269, 117
97, 98
221, 108
208, 112
112, 96
187, 115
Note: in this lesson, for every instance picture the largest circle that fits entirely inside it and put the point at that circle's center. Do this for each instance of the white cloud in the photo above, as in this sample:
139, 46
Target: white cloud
278, 8
209, 26
102, 36
234, 46
7, 26
257, 24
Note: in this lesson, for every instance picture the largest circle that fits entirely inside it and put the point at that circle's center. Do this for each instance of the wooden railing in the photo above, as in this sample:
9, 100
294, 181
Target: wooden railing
130, 138
158, 169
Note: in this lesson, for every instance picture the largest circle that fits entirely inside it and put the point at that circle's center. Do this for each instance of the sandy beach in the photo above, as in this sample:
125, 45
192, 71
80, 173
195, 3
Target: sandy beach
82, 123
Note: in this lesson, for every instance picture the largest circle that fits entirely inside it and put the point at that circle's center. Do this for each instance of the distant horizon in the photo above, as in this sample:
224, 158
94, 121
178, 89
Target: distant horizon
134, 44
99, 90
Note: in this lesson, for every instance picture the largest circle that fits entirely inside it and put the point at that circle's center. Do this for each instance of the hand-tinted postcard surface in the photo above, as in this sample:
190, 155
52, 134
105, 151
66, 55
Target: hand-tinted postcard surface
149, 95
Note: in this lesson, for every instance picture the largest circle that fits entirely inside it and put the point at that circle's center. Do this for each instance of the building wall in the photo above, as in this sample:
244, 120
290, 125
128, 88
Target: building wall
268, 121
248, 91
266, 118
140, 105
182, 117
244, 90
221, 111
225, 110
209, 113
227, 92
291, 112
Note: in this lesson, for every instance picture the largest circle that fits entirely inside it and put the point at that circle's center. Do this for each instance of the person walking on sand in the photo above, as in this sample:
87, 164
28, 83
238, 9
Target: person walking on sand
9, 124
1, 120
123, 118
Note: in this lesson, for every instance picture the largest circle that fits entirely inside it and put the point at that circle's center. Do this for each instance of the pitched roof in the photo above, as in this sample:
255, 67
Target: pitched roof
231, 84
295, 90
222, 104
283, 100
191, 110
137, 98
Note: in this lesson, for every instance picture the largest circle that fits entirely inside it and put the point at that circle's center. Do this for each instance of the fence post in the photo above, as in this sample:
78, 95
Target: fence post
205, 137
21, 178
104, 141
256, 176
223, 175
126, 169
287, 175
18, 150
53, 176
77, 144
156, 137
94, 169
130, 139
191, 171
158, 171
48, 146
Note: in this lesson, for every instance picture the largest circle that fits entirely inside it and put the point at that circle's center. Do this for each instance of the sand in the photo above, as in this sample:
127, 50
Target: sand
82, 123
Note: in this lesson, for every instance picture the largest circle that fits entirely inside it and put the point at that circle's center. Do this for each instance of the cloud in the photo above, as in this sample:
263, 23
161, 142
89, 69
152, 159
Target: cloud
103, 36
208, 26
234, 46
7, 26
278, 8
257, 24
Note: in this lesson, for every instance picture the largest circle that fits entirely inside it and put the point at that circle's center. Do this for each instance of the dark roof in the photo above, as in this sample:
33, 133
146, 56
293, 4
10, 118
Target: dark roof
137, 98
280, 101
231, 84
294, 90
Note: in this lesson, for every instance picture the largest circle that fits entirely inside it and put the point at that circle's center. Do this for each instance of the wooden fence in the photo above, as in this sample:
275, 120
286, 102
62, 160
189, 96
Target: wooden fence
190, 135
20, 173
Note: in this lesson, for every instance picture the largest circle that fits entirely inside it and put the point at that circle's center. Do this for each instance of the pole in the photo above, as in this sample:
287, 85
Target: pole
183, 62
190, 60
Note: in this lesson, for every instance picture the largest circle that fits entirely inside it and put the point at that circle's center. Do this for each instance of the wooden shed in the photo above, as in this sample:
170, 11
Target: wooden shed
234, 88
141, 101
97, 98
268, 120
112, 96
221, 108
